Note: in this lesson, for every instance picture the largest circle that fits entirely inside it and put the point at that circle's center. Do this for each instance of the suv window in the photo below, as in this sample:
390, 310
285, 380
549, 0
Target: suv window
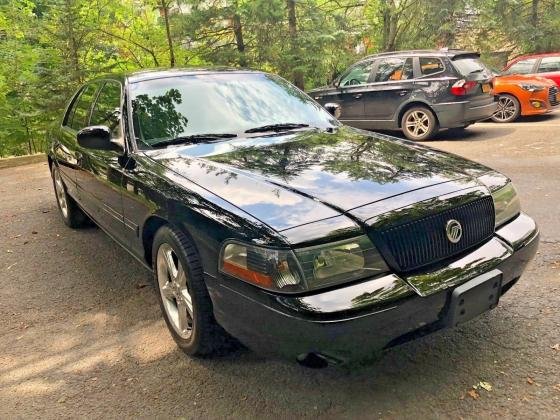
357, 75
81, 113
522, 67
106, 110
391, 69
549, 64
430, 65
467, 65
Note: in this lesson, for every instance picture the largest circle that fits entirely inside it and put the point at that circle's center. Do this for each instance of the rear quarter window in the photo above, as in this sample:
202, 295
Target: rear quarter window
430, 65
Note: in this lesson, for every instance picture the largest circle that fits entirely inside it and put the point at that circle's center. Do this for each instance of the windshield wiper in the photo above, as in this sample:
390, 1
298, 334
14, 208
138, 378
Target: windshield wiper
194, 138
276, 127
476, 71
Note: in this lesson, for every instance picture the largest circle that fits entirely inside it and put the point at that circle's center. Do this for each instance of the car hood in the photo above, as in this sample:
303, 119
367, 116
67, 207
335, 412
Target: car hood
298, 178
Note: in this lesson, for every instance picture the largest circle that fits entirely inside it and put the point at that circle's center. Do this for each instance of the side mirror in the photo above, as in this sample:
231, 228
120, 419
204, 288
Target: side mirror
97, 137
334, 109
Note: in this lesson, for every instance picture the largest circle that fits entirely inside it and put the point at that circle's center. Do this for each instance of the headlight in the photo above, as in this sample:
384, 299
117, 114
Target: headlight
531, 87
305, 268
506, 204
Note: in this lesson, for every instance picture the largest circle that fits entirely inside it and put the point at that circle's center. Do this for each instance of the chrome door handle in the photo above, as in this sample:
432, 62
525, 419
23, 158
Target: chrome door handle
403, 92
357, 95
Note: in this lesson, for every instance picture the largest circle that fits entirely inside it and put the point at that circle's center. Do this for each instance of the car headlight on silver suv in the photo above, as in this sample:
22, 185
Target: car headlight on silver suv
506, 204
292, 271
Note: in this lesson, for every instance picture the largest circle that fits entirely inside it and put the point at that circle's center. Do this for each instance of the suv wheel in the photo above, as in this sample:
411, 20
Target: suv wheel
184, 300
508, 109
418, 123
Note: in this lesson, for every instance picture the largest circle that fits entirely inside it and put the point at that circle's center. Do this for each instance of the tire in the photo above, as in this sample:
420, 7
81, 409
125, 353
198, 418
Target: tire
509, 109
183, 298
72, 215
419, 123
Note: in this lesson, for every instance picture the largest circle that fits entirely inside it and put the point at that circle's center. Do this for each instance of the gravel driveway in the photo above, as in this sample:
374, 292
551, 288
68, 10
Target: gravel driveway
81, 333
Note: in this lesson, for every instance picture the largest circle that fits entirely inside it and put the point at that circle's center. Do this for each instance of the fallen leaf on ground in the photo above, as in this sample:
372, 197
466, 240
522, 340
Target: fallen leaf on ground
485, 385
556, 347
141, 285
530, 381
62, 400
473, 394
34, 232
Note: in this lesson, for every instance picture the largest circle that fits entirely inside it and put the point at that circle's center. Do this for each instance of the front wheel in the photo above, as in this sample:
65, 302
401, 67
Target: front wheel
183, 297
419, 123
508, 109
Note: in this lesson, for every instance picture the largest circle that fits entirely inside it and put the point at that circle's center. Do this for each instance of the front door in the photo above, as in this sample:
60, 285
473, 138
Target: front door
351, 89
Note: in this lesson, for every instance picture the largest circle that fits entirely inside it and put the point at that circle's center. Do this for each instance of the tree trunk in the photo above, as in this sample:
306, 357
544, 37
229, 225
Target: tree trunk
535, 13
165, 10
238, 32
73, 44
390, 25
292, 24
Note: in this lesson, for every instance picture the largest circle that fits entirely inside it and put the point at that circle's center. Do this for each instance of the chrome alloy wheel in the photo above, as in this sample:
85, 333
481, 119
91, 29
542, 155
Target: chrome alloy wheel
172, 282
506, 109
60, 193
417, 123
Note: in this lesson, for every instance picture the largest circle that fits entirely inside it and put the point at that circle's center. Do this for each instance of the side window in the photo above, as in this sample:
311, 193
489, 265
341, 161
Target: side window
430, 65
81, 114
549, 64
522, 67
357, 75
106, 110
389, 69
71, 109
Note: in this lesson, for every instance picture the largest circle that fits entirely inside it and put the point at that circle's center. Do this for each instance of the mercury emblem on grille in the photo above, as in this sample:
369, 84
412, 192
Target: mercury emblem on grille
454, 230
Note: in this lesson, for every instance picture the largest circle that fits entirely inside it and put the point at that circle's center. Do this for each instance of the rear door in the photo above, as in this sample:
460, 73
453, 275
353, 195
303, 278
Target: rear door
549, 67
65, 147
392, 83
101, 171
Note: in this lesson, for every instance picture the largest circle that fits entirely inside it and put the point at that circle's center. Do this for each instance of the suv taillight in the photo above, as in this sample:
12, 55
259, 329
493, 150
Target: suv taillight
462, 87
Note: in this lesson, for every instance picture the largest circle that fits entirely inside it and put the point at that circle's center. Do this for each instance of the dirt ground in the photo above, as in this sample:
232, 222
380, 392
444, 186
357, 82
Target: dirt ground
81, 334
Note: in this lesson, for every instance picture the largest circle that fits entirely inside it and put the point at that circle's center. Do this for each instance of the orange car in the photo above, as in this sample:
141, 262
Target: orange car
523, 95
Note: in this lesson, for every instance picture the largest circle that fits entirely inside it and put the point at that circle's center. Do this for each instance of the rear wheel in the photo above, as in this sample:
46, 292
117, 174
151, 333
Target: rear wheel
183, 297
419, 123
508, 109
72, 215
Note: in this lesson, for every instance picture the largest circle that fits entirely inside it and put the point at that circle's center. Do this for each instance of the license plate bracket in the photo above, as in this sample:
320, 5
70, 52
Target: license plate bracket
474, 297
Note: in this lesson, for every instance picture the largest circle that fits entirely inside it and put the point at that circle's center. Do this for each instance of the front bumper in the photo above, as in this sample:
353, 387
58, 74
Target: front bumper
355, 321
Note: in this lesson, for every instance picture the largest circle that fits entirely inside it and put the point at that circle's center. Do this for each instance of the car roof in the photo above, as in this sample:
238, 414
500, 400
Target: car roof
444, 52
526, 56
150, 74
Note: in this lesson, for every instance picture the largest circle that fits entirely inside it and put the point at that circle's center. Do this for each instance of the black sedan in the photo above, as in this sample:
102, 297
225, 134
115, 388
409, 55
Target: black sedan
265, 219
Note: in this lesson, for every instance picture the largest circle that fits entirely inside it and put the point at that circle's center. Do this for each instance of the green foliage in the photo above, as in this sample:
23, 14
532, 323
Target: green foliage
49, 47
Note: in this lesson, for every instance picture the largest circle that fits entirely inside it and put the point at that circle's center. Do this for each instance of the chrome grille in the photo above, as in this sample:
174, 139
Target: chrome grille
553, 96
412, 245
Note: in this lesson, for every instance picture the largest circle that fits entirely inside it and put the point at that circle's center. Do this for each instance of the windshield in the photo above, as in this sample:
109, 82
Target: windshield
220, 103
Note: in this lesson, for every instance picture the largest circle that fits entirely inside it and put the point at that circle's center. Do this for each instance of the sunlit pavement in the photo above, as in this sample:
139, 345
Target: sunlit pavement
81, 333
